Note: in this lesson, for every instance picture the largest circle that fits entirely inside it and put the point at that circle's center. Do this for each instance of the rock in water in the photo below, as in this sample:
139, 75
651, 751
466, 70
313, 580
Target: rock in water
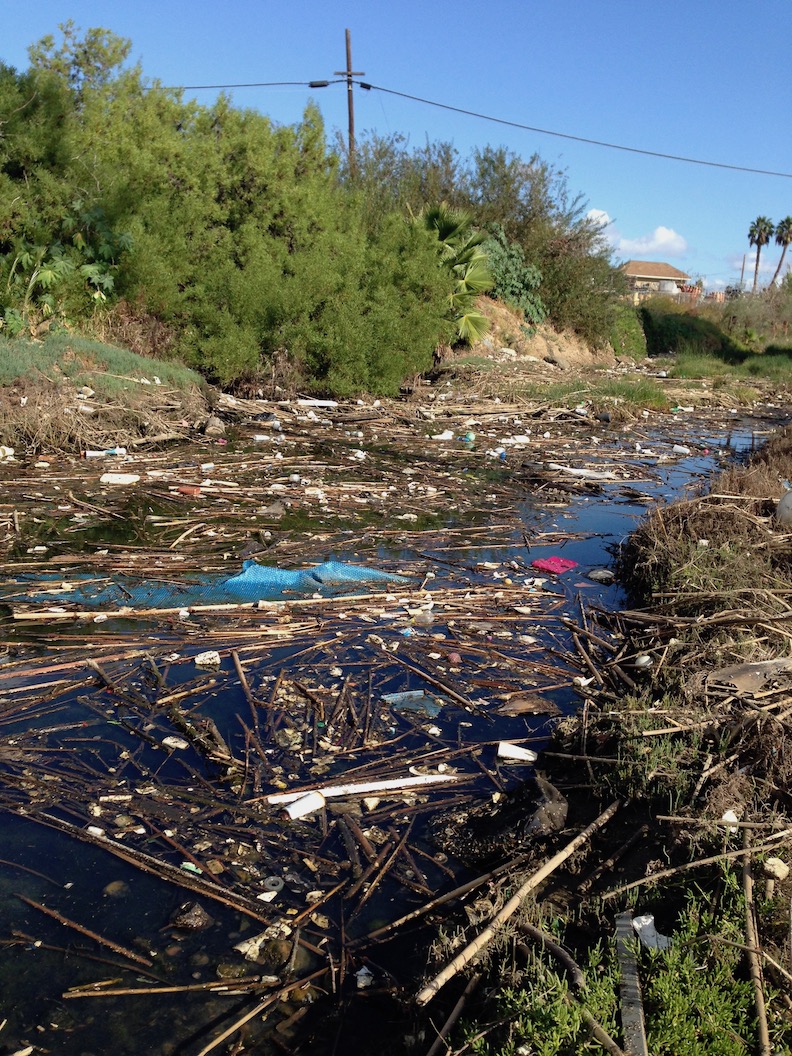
191, 916
551, 814
214, 427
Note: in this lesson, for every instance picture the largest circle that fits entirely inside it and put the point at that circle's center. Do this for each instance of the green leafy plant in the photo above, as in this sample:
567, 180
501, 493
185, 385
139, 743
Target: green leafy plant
462, 250
627, 337
515, 281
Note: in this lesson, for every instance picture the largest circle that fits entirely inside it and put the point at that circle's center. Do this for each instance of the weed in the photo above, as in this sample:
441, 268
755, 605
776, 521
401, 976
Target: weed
40, 407
600, 393
105, 368
696, 996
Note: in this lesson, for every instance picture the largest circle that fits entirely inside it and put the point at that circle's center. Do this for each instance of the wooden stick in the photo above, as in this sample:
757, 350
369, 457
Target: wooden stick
437, 683
245, 688
767, 846
434, 986
457, 892
384, 869
609, 863
668, 730
73, 951
679, 820
454, 1015
269, 1000
762, 953
578, 982
114, 946
577, 978
586, 659
752, 941
215, 986
163, 870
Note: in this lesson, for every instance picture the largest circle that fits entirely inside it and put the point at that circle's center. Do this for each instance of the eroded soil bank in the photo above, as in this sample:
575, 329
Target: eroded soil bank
151, 873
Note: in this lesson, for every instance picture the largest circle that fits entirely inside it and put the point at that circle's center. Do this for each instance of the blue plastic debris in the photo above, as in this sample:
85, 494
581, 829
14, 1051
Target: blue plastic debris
254, 583
413, 700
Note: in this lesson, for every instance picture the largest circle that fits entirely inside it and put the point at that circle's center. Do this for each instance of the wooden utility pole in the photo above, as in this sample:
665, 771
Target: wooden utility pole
349, 73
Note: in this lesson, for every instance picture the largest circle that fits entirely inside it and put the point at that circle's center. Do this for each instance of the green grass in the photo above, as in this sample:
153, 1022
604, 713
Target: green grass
105, 368
475, 362
773, 365
636, 392
696, 996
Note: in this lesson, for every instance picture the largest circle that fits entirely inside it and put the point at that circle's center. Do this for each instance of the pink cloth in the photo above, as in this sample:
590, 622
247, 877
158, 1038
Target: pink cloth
557, 565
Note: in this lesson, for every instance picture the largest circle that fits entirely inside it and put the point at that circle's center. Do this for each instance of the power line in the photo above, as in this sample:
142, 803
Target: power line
256, 84
496, 121
576, 139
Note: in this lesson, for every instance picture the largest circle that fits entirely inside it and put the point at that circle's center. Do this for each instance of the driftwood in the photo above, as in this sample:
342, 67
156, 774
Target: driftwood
257, 1009
440, 900
114, 946
216, 986
711, 860
453, 1017
752, 942
426, 994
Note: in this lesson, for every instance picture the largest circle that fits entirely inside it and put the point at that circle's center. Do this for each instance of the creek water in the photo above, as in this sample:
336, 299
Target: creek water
50, 749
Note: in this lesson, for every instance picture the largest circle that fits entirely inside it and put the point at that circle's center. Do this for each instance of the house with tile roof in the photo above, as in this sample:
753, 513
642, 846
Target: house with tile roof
648, 278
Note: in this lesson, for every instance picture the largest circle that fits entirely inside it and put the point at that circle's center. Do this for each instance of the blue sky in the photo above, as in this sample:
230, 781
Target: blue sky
710, 79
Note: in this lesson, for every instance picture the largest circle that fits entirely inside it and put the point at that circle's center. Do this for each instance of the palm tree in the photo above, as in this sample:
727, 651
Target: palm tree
759, 234
783, 236
461, 250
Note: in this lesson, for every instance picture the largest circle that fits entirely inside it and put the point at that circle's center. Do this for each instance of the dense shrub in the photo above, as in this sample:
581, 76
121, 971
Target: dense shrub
515, 281
528, 201
627, 335
670, 328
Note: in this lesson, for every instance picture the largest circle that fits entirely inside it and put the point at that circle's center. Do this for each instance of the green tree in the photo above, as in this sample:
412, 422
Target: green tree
783, 237
529, 199
759, 234
391, 175
84, 63
532, 202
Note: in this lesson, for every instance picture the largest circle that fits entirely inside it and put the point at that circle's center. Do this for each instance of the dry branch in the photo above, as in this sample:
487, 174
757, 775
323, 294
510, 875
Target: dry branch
426, 994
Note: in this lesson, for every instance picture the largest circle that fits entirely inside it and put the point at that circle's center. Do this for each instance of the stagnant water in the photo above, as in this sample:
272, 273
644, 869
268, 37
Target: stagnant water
42, 959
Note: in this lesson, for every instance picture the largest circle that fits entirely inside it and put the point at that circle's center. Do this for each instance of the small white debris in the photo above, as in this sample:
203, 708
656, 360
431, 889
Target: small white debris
211, 658
731, 817
119, 478
516, 752
644, 928
175, 742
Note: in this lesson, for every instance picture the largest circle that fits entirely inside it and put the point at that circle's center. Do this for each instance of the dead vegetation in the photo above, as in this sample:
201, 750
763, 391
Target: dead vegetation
723, 550
43, 416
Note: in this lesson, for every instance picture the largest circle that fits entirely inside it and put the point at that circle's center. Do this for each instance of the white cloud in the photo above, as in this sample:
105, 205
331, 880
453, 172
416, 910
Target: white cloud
662, 242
